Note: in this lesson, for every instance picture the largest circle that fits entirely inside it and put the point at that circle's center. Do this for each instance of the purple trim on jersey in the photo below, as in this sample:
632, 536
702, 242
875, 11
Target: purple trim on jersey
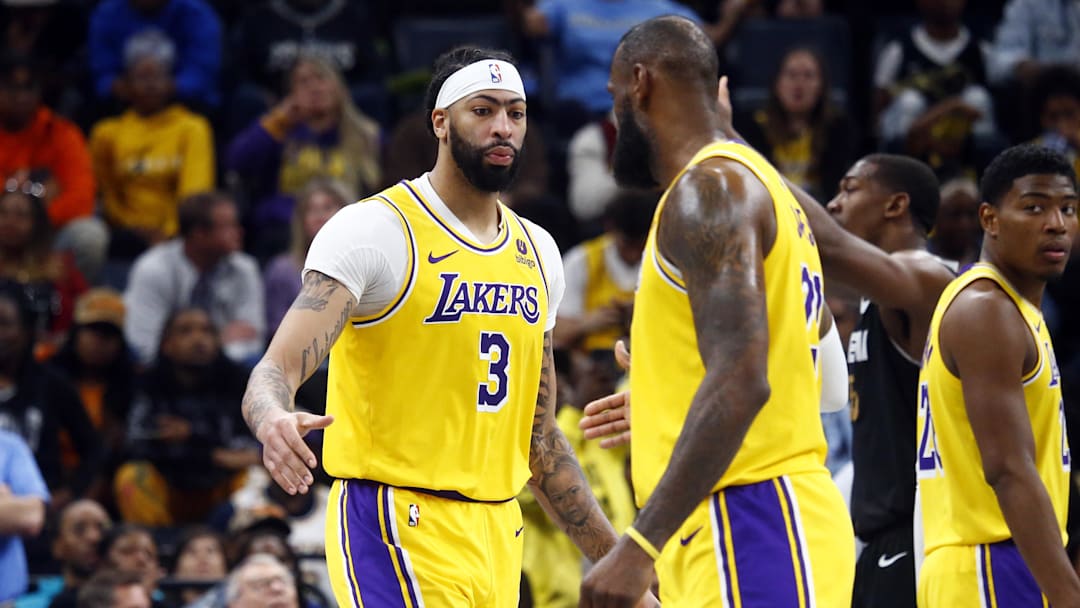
409, 281
350, 572
800, 551
372, 560
759, 537
1013, 583
389, 524
536, 253
722, 546
450, 231
671, 279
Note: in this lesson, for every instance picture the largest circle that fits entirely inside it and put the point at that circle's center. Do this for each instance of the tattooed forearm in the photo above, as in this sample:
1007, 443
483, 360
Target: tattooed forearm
312, 356
267, 389
557, 480
316, 292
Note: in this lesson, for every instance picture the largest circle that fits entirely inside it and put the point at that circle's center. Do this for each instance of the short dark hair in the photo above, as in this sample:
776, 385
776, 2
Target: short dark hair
905, 174
195, 211
1054, 81
452, 61
100, 590
678, 46
1017, 162
631, 212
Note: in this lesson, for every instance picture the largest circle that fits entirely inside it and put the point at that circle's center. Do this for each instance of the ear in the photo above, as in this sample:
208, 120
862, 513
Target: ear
988, 219
897, 205
439, 122
641, 85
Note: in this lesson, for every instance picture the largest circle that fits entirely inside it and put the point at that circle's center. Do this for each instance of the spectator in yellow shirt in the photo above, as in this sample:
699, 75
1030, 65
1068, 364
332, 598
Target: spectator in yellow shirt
153, 155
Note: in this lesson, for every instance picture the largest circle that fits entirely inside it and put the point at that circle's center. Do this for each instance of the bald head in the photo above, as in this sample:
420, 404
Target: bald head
675, 47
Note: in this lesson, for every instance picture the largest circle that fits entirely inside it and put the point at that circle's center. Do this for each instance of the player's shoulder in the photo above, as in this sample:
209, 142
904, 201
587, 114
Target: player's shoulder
982, 303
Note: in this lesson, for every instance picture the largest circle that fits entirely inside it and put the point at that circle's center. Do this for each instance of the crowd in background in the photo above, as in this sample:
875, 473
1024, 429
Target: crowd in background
167, 163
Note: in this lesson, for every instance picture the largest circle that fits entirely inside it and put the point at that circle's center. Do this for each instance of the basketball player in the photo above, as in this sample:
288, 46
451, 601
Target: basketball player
735, 499
437, 303
992, 457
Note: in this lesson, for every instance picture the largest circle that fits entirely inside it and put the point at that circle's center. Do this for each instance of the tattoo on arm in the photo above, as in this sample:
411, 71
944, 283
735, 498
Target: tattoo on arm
711, 232
558, 481
268, 388
315, 295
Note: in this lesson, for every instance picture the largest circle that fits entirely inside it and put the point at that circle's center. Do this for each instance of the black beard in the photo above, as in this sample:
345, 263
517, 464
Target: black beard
631, 162
482, 176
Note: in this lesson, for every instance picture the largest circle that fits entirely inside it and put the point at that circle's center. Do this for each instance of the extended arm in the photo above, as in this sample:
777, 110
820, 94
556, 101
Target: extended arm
994, 398
302, 341
557, 480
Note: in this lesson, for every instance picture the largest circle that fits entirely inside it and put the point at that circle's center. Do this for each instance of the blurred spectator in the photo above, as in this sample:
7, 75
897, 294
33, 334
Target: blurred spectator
269, 536
114, 589
38, 404
316, 204
45, 155
54, 33
799, 130
203, 268
260, 581
189, 446
191, 25
591, 184
584, 35
50, 278
931, 86
315, 131
1034, 34
957, 235
82, 526
272, 35
1055, 100
22, 511
602, 274
97, 361
261, 503
153, 155
200, 558
131, 549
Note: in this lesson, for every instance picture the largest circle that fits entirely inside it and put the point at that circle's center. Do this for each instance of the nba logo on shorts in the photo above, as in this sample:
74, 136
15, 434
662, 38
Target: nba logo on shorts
521, 247
414, 516
496, 75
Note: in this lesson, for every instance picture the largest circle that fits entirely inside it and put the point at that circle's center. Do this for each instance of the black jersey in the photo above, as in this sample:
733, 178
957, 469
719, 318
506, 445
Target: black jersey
883, 387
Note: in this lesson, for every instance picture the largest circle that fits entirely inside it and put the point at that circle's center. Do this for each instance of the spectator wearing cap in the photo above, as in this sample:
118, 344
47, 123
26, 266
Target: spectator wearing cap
203, 268
22, 511
39, 404
153, 155
99, 364
193, 27
45, 155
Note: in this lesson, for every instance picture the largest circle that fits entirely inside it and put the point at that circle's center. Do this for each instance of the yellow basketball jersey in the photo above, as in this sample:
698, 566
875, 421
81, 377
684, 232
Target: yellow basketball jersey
438, 390
958, 506
601, 289
786, 437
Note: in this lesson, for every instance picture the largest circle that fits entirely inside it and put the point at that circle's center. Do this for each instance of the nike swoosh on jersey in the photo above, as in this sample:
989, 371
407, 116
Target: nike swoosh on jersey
886, 561
432, 259
518, 532
689, 537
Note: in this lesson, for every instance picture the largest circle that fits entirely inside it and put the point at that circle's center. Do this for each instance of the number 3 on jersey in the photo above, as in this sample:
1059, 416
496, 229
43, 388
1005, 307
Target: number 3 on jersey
492, 394
928, 460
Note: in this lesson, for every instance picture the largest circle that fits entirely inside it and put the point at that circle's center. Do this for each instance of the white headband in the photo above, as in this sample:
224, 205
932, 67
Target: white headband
479, 76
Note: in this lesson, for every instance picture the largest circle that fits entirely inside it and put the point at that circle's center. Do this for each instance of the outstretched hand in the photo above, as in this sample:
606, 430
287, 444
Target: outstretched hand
608, 418
286, 456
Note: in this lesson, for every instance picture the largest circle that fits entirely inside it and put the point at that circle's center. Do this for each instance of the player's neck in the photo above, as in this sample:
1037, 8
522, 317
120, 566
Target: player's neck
478, 210
1029, 286
901, 240
675, 149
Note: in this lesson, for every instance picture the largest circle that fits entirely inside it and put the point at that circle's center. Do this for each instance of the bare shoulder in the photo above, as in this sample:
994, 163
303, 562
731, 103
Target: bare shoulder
930, 268
709, 205
980, 310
